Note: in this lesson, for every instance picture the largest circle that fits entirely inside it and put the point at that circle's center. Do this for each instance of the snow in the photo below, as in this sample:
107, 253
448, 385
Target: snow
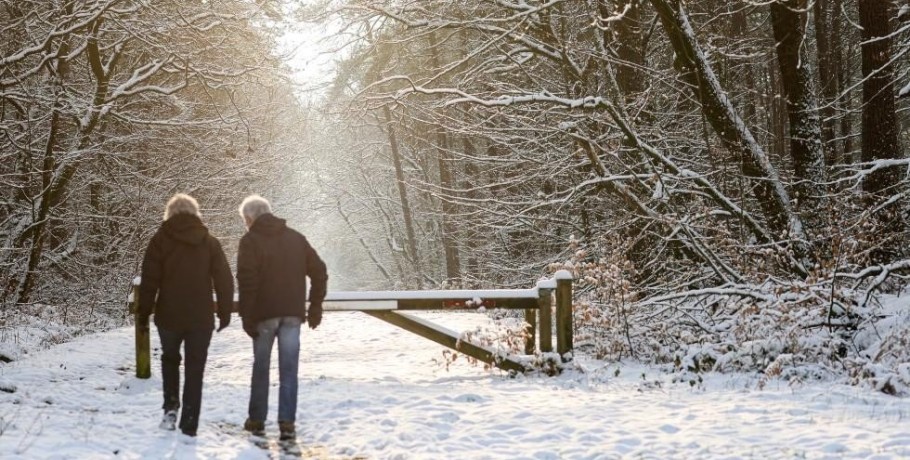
433, 295
546, 284
370, 390
361, 305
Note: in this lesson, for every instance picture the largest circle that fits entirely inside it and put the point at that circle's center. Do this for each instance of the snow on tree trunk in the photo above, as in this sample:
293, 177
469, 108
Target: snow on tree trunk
770, 192
802, 114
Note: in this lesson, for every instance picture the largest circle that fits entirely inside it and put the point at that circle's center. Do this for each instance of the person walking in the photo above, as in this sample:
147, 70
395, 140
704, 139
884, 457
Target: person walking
273, 262
181, 265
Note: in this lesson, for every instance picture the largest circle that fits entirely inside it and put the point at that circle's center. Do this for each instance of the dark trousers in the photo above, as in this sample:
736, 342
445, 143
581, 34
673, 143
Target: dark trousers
197, 351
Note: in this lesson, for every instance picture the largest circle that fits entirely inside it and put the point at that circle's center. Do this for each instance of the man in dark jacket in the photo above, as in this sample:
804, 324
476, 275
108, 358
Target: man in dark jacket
273, 262
182, 263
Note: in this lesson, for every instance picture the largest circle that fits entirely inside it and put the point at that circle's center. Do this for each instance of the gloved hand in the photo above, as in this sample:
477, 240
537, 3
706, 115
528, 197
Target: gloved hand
223, 322
314, 316
250, 328
142, 320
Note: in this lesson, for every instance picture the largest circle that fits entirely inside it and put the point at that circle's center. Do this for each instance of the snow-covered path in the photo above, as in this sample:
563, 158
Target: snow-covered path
369, 390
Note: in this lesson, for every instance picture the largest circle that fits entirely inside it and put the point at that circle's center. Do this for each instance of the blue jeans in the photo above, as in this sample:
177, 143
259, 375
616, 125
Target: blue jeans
287, 329
196, 346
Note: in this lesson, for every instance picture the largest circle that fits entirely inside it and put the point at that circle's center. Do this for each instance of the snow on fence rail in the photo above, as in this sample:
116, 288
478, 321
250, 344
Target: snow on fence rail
389, 306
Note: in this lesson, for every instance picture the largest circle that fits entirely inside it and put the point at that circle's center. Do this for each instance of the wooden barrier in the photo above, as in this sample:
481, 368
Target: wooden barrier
530, 330
564, 315
390, 306
545, 313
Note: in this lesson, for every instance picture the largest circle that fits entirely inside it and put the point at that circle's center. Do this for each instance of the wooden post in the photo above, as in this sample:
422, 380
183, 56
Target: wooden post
545, 305
564, 314
530, 330
143, 345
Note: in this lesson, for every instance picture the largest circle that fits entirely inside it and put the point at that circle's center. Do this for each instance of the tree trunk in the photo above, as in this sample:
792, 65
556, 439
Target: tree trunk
841, 55
446, 183
827, 75
880, 130
777, 113
52, 185
625, 34
694, 67
879, 123
472, 236
56, 176
802, 114
449, 209
403, 196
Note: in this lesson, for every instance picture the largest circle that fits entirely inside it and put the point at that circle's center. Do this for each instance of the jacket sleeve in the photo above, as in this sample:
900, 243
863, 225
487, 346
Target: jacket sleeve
317, 273
222, 278
151, 276
247, 276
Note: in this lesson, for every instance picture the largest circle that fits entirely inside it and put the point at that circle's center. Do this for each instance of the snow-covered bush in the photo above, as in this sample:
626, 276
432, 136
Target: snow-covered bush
831, 325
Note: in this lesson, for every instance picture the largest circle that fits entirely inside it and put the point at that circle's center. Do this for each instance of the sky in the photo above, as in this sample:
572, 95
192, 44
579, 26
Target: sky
311, 57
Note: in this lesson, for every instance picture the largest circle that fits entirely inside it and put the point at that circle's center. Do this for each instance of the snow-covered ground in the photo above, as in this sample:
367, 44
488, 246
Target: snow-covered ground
370, 390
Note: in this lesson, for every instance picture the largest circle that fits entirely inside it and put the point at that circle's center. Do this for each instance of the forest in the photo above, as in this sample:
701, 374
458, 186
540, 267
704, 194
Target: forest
725, 179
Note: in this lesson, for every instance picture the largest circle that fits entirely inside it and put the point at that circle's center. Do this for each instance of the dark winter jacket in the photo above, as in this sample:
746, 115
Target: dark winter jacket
182, 264
273, 262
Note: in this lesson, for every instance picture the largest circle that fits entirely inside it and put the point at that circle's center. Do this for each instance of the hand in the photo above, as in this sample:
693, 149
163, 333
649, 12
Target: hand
223, 322
250, 328
314, 316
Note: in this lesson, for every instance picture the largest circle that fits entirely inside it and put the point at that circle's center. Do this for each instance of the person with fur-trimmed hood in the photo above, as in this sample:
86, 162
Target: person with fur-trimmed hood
273, 262
182, 263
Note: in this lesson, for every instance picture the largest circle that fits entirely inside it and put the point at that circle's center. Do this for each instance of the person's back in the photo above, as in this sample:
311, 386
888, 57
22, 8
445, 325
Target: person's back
181, 262
273, 263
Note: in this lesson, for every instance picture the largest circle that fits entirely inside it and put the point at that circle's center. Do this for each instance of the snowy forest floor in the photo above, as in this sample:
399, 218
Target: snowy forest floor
369, 390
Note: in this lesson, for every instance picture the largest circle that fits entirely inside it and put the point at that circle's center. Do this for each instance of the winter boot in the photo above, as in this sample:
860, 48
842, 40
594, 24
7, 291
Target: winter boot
286, 431
169, 420
255, 427
188, 425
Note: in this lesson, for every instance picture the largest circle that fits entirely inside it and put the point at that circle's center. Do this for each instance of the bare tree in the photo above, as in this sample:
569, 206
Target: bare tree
107, 108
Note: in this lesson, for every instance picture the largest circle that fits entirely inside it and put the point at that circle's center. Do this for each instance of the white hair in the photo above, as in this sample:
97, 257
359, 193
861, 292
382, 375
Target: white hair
254, 206
181, 203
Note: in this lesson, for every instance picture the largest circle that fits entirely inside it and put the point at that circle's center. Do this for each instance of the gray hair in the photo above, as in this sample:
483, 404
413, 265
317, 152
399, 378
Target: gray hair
254, 206
181, 203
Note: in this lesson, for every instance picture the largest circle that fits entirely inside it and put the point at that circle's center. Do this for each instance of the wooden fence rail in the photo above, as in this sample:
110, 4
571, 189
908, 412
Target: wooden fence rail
391, 307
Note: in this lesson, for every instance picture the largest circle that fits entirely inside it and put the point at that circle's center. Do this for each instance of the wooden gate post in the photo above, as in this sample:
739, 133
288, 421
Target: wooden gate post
143, 345
545, 305
530, 331
564, 313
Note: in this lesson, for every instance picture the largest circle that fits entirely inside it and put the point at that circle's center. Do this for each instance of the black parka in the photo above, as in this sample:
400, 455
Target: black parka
182, 264
273, 262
